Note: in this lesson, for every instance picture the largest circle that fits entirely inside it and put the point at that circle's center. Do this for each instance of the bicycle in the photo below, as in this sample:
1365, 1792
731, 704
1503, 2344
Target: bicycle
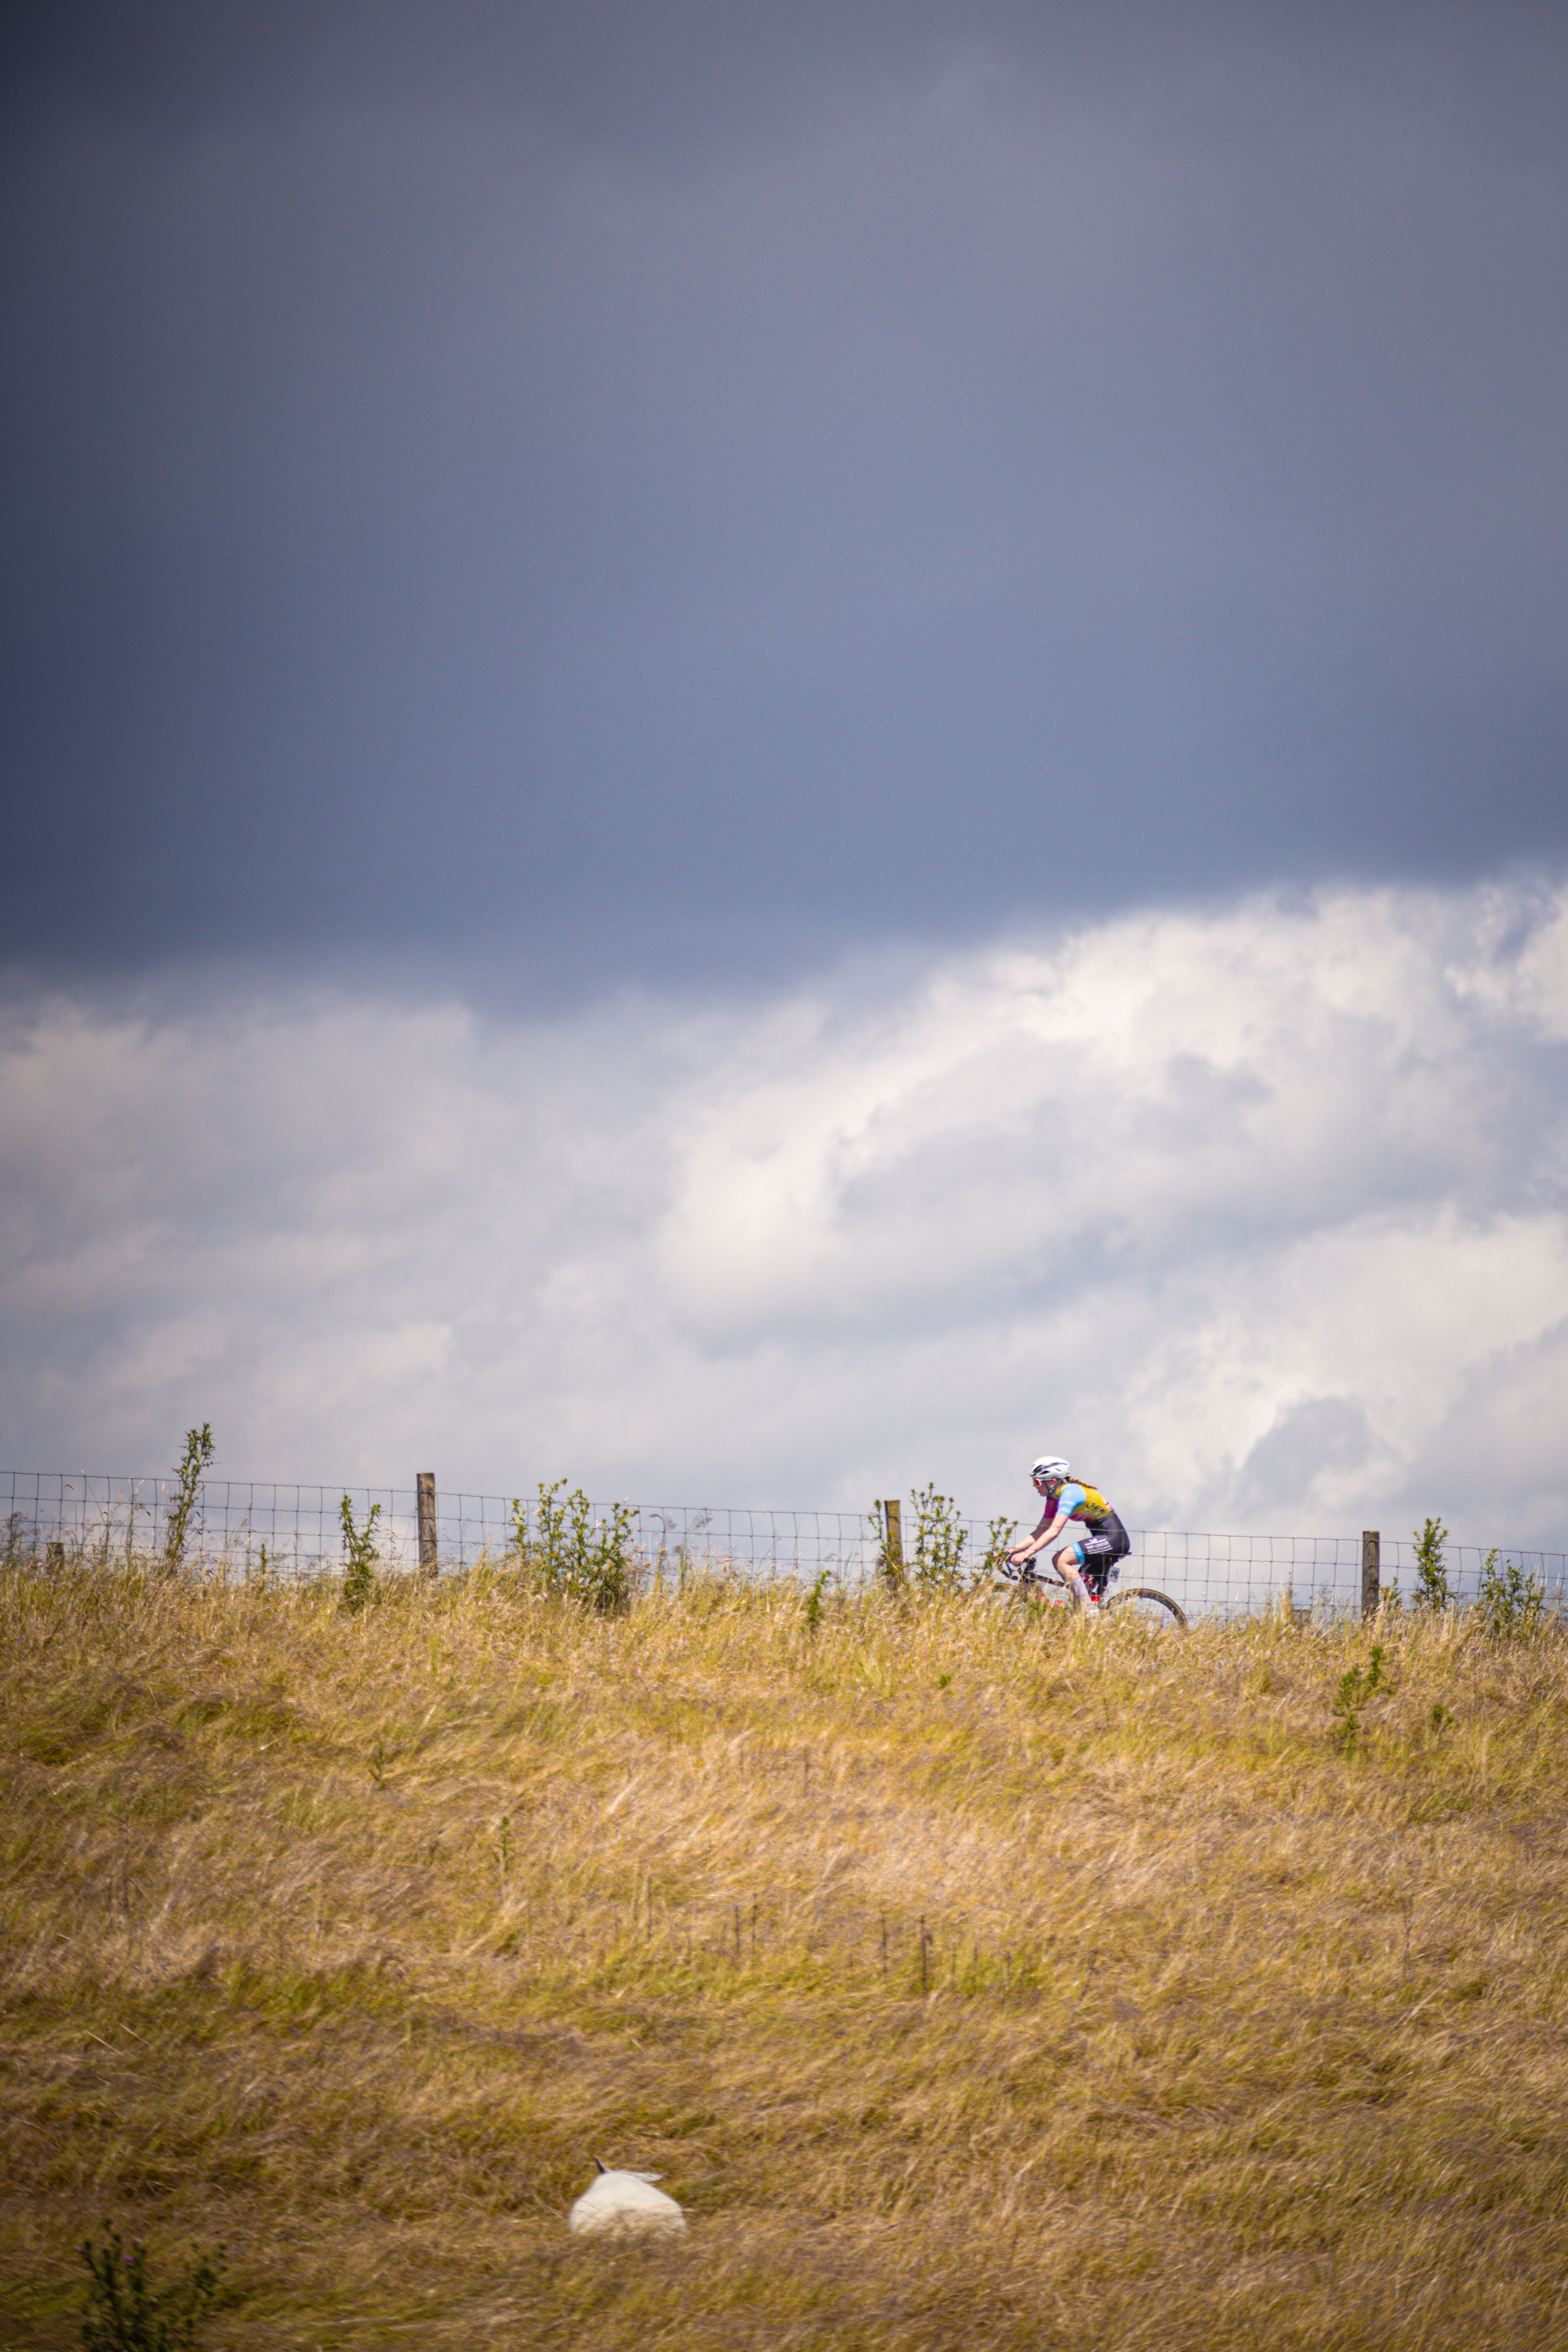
1139, 1602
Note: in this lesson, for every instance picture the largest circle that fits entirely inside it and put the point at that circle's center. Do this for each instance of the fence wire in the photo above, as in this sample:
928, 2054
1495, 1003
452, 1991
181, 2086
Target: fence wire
244, 1530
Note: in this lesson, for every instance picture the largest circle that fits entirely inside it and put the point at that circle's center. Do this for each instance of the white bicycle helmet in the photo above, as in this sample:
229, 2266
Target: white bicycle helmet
1050, 1466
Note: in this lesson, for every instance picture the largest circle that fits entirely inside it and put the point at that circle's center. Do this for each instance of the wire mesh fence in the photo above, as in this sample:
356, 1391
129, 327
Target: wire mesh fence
241, 1528
300, 1528
1316, 1578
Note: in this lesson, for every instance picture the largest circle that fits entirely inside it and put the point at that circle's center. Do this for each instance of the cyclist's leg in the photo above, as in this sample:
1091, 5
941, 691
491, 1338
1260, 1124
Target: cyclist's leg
1097, 1555
1068, 1565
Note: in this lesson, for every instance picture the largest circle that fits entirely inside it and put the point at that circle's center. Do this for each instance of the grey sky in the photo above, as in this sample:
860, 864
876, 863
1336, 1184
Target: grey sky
575, 493
766, 751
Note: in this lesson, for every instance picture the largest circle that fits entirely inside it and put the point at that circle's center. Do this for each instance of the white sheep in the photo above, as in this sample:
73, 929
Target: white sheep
624, 2203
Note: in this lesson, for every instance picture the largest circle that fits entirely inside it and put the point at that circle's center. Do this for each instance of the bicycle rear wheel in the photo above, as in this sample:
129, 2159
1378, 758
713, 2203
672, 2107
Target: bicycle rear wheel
1142, 1603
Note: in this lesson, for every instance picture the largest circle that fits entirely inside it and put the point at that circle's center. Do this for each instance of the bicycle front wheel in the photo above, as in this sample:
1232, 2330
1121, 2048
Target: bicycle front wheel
1147, 1607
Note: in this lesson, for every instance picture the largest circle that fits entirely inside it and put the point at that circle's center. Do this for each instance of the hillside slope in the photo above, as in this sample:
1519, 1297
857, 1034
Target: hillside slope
971, 1981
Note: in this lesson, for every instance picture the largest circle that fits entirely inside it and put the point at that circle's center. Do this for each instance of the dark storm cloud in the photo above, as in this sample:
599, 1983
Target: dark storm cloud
651, 487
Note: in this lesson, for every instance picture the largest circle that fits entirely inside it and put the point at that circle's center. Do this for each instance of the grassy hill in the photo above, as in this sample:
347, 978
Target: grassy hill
971, 1981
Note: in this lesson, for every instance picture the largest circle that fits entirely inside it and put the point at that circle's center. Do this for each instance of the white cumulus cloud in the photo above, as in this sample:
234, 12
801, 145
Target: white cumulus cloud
1259, 1212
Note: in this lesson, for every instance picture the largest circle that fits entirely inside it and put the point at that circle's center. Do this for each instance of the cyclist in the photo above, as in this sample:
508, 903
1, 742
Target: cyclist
1085, 1564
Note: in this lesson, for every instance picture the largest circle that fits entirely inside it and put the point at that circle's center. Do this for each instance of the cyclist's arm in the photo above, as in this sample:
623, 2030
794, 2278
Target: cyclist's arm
1043, 1535
1068, 1501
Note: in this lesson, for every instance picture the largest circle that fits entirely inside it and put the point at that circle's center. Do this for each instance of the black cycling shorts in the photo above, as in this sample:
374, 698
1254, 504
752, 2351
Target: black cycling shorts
1097, 1551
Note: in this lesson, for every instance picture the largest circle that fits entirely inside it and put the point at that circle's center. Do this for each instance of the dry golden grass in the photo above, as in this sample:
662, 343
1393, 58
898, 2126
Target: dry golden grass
349, 1941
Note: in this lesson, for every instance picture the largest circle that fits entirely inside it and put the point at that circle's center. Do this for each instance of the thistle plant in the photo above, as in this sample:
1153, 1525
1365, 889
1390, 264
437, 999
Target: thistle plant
572, 1556
1432, 1589
360, 1555
936, 1563
1509, 1604
196, 1457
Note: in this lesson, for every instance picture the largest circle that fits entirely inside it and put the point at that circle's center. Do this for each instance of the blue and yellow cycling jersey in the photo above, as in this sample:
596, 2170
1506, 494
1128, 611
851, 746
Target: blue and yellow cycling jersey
1086, 1504
1104, 1537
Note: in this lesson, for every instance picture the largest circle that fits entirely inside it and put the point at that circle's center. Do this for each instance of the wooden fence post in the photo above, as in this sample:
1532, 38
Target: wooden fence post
425, 1489
1371, 1584
893, 1549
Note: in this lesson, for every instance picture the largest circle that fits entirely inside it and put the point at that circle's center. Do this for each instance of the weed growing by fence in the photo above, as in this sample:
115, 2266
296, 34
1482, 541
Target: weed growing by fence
1509, 1602
360, 1555
936, 1563
196, 1458
1432, 1591
931, 1561
123, 2312
572, 1556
